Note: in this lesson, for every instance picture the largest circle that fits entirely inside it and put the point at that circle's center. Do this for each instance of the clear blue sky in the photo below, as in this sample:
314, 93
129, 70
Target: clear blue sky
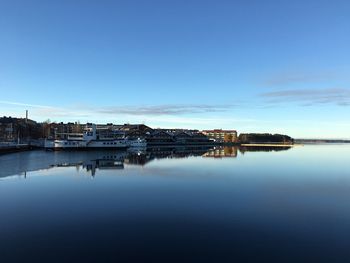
255, 66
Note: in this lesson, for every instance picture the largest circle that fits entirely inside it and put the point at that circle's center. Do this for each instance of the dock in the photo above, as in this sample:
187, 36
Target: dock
6, 147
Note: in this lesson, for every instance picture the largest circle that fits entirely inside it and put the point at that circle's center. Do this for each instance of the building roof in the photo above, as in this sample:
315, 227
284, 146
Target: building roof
219, 130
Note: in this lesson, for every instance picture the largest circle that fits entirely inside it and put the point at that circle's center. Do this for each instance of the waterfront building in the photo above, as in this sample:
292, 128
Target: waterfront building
191, 137
178, 136
182, 137
199, 137
13, 129
220, 135
62, 130
135, 131
19, 129
160, 136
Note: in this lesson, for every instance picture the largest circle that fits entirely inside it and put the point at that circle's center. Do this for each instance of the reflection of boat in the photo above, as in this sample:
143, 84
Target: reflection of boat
103, 164
22, 162
100, 161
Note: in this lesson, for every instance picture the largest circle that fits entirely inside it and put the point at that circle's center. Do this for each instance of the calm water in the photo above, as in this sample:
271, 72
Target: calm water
176, 205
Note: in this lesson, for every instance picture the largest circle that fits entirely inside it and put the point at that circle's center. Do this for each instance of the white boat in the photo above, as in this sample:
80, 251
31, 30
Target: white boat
88, 139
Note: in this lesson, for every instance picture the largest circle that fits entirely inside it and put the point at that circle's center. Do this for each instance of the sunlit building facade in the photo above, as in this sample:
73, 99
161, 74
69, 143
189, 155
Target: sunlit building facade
220, 135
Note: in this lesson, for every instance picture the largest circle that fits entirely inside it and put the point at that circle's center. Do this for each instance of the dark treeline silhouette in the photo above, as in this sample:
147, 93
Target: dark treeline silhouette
265, 138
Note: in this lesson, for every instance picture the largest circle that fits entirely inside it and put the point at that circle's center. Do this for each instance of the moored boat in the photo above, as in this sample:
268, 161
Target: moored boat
88, 139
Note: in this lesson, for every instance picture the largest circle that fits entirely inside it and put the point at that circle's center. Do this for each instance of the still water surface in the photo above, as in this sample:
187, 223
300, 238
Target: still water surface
176, 205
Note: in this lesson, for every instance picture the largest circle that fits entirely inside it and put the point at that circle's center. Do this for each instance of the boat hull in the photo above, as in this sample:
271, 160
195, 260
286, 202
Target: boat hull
94, 144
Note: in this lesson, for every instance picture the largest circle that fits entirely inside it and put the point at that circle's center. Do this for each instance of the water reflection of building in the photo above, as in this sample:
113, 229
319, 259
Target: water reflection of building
220, 152
143, 157
178, 152
92, 161
133, 157
137, 157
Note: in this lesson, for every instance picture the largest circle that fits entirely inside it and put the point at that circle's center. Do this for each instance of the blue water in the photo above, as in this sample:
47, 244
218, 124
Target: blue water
176, 205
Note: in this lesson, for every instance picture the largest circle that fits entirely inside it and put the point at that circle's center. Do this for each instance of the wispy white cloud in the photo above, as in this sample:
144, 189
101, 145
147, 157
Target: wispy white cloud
289, 78
152, 110
169, 109
186, 116
14, 103
309, 97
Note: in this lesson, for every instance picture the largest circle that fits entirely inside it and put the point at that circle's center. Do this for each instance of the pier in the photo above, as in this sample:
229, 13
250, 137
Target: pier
8, 147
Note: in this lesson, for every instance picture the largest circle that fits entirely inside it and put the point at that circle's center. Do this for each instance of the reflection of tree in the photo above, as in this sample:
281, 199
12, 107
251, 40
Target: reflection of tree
228, 150
244, 149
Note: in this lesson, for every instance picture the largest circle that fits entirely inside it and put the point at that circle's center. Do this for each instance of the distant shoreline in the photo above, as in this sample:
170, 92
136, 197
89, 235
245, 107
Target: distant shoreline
319, 141
267, 145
